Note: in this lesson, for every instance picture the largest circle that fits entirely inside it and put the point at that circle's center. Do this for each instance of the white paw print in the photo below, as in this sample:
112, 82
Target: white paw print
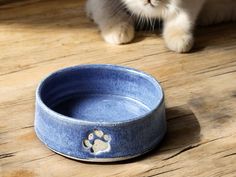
97, 142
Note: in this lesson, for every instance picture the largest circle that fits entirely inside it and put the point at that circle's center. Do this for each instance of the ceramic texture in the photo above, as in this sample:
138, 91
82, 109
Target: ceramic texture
100, 112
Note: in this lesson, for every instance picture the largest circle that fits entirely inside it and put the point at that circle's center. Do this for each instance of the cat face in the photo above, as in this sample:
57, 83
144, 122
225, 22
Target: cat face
146, 8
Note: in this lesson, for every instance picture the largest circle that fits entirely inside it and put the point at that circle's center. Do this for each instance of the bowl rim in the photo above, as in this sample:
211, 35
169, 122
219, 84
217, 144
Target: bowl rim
68, 119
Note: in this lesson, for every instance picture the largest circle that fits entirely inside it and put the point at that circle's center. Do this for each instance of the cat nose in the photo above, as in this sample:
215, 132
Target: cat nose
153, 2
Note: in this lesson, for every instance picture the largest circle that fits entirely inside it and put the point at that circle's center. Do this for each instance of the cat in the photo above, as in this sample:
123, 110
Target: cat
116, 18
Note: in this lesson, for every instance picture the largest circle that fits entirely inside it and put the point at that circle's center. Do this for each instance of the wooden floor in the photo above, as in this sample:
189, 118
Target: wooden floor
40, 36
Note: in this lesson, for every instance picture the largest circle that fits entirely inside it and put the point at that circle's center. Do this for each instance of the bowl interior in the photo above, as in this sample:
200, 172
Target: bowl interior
100, 93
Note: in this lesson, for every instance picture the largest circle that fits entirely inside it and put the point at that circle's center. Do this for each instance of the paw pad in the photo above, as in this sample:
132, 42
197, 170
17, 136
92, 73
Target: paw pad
97, 142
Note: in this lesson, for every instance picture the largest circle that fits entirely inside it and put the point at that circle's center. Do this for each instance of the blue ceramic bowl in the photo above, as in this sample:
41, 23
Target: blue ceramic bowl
100, 113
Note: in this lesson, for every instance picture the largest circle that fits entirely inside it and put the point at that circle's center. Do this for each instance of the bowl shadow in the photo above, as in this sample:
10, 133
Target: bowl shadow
183, 130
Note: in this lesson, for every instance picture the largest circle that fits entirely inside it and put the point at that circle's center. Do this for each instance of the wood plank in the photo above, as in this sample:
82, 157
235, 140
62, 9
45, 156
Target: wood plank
40, 36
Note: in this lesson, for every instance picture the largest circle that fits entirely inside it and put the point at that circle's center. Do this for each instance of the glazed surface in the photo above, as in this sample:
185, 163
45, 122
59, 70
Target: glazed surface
101, 108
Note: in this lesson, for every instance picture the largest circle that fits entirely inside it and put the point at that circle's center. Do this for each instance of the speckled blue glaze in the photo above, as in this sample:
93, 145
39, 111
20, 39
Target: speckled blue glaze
100, 112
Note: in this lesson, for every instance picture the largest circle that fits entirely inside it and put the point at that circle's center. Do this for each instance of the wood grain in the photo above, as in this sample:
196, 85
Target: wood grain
40, 36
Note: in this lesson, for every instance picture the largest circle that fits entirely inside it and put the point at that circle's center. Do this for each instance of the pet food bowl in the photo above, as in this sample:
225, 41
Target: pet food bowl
100, 113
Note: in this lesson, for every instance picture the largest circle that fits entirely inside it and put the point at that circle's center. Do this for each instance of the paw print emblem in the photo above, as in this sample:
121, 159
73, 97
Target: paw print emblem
97, 142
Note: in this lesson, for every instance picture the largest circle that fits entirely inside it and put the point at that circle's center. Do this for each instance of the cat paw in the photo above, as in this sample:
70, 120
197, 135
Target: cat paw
179, 41
119, 34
